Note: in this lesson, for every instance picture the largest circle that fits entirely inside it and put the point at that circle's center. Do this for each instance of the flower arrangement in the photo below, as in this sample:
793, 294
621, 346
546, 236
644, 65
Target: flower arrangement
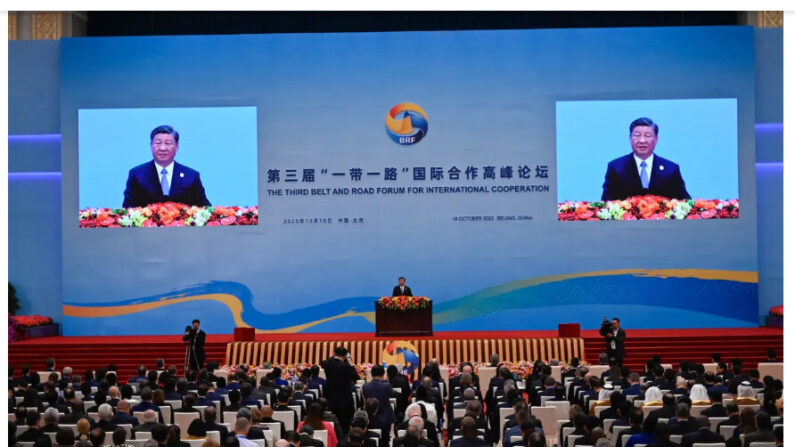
169, 214
23, 321
289, 371
650, 207
403, 302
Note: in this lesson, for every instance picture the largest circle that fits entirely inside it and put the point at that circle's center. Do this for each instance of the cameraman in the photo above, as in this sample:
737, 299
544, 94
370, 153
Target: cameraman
340, 377
194, 338
614, 337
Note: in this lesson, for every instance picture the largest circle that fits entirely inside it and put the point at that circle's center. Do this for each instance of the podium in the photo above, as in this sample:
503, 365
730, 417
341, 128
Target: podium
394, 323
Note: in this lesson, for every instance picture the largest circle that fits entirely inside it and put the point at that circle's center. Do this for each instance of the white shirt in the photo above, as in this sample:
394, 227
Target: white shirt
649, 163
402, 289
169, 172
613, 341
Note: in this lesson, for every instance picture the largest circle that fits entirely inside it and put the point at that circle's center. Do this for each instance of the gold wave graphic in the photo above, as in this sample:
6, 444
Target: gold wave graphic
236, 307
231, 301
706, 274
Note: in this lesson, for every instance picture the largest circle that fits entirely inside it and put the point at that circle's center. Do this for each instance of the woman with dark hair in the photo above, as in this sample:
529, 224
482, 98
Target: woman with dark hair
314, 419
119, 437
174, 440
747, 423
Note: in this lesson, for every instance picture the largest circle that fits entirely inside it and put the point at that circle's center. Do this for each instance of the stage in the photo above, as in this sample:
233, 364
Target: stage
127, 352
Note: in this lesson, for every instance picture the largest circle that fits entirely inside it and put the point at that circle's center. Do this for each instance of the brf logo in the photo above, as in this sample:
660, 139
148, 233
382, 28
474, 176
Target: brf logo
406, 123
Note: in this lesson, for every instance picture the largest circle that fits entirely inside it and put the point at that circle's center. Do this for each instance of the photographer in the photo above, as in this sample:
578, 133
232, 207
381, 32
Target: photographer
340, 377
194, 347
614, 337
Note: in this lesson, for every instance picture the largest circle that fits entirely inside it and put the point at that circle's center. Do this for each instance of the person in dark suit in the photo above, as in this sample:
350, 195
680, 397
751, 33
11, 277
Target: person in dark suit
668, 409
764, 430
401, 288
194, 338
380, 389
402, 382
123, 415
149, 421
733, 412
146, 404
615, 342
702, 435
105, 415
200, 427
340, 377
163, 179
717, 409
469, 436
635, 427
413, 436
682, 423
305, 437
642, 172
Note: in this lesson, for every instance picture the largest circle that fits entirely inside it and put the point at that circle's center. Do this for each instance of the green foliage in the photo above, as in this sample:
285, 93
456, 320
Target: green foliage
13, 301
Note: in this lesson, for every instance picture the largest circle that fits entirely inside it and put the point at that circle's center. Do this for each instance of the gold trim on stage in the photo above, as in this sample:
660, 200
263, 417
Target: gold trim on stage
369, 351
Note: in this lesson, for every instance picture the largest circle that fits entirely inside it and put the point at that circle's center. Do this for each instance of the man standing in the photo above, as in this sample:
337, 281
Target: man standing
642, 172
163, 179
340, 376
194, 338
615, 342
380, 389
401, 289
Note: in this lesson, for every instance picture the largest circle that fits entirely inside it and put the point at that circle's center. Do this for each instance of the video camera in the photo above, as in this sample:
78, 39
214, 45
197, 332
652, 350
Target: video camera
606, 328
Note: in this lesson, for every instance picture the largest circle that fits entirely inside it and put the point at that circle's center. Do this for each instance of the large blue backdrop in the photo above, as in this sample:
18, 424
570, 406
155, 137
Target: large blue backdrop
467, 214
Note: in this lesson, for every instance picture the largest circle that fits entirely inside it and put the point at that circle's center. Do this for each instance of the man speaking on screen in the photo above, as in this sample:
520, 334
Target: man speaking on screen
163, 179
642, 172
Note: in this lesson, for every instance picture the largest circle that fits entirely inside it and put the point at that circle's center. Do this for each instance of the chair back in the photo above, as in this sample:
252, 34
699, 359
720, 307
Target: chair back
230, 416
549, 419
713, 422
321, 435
215, 435
165, 410
274, 427
762, 444
561, 406
288, 417
194, 442
696, 410
504, 412
676, 439
183, 421
708, 444
727, 430
647, 410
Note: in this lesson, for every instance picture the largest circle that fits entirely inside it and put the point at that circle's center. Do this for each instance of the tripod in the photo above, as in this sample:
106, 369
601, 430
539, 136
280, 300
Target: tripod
190, 351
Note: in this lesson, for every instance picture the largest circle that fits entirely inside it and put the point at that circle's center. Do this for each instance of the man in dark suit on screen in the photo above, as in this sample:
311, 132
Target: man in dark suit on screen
401, 289
642, 172
163, 179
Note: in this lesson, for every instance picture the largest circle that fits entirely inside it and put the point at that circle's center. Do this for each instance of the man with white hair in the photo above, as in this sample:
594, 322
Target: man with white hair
50, 420
415, 411
105, 415
413, 436
242, 426
149, 422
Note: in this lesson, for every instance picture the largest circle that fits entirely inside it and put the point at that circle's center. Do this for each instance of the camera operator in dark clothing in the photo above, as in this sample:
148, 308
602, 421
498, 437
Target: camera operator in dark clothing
194, 347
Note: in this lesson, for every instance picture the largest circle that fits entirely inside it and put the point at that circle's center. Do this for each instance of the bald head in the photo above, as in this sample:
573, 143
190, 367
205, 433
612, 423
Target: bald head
150, 416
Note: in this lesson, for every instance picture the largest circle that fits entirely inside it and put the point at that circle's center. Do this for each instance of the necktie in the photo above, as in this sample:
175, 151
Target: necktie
164, 181
644, 177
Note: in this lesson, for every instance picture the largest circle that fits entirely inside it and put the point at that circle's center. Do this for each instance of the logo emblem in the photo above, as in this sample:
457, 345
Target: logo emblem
406, 123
